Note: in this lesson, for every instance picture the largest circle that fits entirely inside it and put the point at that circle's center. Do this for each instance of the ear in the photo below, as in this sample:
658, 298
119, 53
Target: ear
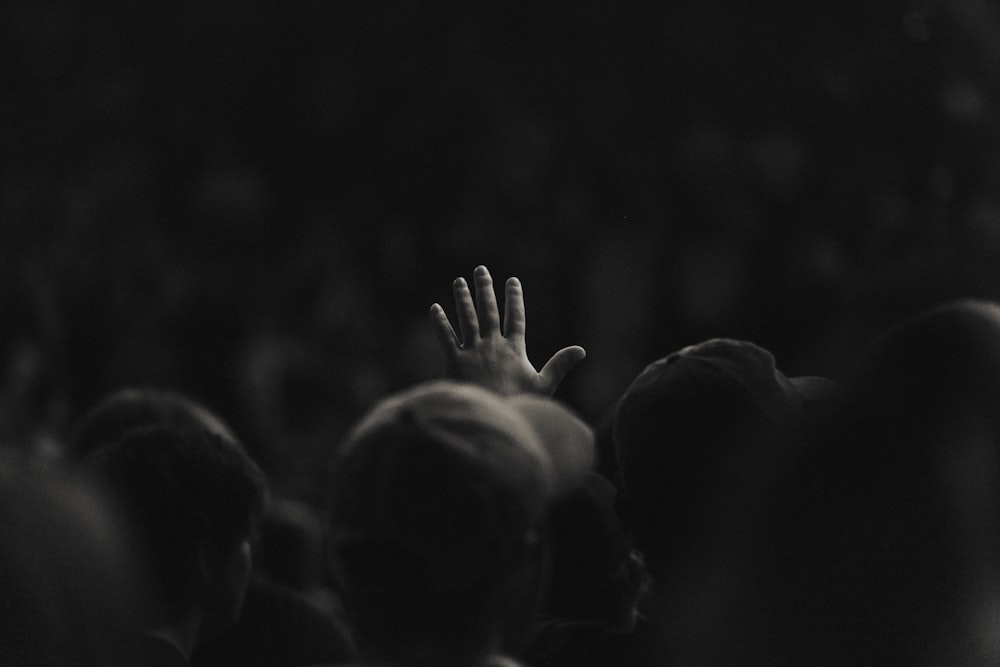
224, 577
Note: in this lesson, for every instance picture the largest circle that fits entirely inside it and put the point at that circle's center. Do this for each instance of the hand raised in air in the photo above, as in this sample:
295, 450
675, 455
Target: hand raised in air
484, 353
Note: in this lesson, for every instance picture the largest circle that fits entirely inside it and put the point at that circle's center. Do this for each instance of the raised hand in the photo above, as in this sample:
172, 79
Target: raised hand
486, 354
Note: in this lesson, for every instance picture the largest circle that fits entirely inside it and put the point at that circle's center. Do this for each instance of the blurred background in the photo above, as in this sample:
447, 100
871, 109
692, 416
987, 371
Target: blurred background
256, 203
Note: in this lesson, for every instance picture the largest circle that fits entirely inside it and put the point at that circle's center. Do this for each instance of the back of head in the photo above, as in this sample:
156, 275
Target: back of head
943, 361
440, 501
882, 545
185, 496
596, 576
693, 432
567, 440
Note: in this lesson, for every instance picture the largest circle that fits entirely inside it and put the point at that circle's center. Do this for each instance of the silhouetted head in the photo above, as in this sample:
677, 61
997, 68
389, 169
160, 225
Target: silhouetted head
695, 433
192, 501
438, 524
882, 543
596, 575
942, 362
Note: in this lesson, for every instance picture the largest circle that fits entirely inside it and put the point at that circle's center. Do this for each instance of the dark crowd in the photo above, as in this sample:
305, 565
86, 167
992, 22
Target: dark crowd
724, 513
249, 415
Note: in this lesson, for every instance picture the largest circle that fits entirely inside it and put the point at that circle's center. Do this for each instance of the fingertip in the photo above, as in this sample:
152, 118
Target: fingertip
482, 273
459, 283
436, 308
513, 281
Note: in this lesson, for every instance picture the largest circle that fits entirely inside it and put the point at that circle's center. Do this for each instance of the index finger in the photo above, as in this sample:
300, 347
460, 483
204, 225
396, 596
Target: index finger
445, 332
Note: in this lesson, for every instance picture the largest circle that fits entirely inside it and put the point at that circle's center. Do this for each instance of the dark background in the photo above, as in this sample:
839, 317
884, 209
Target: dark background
256, 202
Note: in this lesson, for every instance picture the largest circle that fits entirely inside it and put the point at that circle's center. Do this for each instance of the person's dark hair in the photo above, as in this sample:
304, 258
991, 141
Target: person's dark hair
941, 361
438, 525
882, 543
399, 597
595, 576
180, 491
694, 432
138, 407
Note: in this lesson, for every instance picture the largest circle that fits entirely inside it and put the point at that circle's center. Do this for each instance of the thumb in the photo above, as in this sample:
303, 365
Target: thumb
556, 368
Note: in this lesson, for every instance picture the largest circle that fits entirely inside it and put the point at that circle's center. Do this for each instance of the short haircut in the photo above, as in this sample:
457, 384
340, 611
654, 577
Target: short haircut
179, 490
441, 497
694, 433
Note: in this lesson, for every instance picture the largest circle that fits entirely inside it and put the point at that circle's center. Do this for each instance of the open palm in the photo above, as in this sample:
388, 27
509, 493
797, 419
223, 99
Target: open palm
490, 354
